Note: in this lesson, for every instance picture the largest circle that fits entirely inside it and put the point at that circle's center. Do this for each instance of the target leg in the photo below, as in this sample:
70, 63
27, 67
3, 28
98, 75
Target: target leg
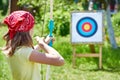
100, 58
74, 56
92, 48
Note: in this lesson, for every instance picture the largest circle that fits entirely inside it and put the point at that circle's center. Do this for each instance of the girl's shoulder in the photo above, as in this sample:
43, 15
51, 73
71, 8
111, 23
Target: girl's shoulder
23, 51
23, 47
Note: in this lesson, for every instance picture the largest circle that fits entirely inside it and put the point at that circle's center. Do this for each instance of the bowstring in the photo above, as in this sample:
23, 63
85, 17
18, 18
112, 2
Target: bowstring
44, 18
42, 32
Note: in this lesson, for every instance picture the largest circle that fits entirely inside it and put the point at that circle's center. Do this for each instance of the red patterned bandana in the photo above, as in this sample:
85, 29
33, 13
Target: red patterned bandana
19, 21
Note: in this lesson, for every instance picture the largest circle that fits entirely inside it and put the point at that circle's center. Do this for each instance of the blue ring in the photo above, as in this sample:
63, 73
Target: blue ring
84, 20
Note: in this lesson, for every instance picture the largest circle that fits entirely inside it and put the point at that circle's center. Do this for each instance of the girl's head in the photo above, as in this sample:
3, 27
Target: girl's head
19, 25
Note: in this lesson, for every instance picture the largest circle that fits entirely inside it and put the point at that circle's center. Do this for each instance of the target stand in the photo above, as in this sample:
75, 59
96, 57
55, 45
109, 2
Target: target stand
86, 29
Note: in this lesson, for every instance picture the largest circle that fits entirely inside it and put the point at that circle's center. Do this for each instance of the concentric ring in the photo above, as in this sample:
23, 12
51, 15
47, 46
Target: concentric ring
86, 27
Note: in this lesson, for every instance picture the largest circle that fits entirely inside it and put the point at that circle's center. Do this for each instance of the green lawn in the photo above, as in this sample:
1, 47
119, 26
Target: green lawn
86, 68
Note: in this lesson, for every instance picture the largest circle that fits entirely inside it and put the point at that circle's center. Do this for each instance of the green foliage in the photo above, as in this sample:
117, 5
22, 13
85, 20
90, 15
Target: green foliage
62, 23
65, 47
36, 7
61, 13
85, 4
4, 68
116, 23
4, 6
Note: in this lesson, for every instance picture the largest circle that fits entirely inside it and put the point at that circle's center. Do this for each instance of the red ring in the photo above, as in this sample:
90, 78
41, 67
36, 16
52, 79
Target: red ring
86, 30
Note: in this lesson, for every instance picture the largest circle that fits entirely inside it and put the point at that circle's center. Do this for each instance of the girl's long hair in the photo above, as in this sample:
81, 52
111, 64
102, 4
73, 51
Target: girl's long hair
20, 39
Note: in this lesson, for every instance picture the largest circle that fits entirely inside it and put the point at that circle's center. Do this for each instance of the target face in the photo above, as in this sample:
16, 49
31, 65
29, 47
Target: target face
86, 27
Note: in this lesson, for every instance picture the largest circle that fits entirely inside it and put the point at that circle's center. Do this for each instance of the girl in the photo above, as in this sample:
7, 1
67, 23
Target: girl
22, 56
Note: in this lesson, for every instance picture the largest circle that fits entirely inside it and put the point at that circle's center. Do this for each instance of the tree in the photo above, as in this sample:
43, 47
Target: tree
13, 5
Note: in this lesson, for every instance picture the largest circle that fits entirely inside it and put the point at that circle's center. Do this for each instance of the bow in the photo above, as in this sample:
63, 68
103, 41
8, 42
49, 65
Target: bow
76, 1
51, 27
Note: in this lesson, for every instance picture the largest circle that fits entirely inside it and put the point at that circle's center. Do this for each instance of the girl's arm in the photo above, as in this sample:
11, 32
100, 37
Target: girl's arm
52, 57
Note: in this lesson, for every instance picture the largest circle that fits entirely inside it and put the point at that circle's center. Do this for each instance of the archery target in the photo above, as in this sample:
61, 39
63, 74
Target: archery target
86, 27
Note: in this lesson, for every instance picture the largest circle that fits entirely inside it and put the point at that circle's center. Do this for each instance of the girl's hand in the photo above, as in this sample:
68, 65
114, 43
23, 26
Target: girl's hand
43, 40
48, 39
39, 40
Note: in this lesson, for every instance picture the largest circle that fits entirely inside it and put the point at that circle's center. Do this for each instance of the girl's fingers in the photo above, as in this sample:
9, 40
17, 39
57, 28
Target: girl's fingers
39, 40
45, 40
48, 39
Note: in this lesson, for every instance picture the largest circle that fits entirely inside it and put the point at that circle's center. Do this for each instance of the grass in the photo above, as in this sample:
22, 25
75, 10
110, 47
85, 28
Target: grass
86, 68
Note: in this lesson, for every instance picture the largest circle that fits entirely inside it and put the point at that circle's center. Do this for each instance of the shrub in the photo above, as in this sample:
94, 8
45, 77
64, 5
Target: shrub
116, 23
